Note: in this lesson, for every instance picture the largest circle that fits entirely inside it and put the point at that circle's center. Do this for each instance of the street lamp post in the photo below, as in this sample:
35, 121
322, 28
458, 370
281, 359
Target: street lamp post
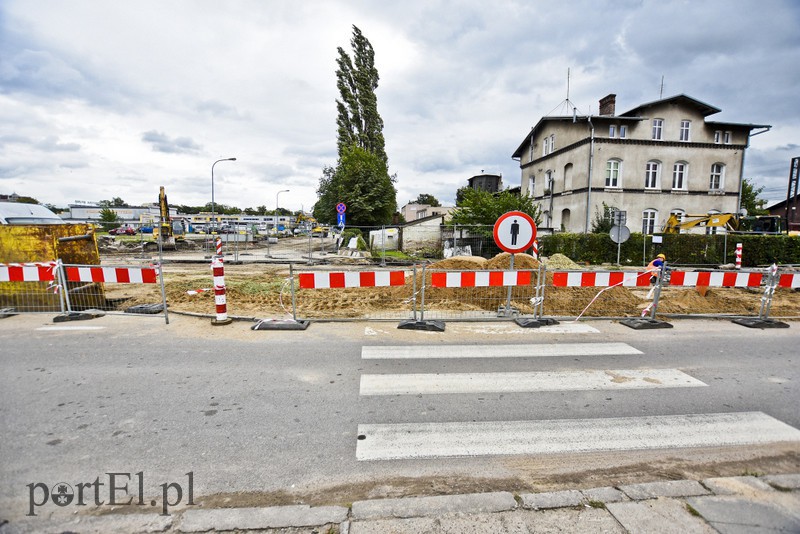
277, 197
211, 222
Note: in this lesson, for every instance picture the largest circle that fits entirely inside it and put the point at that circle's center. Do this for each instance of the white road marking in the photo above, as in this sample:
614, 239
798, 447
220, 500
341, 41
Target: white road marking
441, 440
506, 329
519, 382
374, 352
66, 328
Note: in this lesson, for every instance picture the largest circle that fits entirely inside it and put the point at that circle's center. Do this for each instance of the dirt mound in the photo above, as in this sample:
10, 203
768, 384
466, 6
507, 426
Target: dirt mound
521, 262
559, 261
461, 263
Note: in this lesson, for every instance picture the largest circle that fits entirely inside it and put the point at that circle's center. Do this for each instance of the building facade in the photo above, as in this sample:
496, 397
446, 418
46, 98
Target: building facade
660, 158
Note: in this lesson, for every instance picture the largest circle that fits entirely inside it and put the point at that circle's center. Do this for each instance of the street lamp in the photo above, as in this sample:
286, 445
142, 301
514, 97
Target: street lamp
277, 197
212, 185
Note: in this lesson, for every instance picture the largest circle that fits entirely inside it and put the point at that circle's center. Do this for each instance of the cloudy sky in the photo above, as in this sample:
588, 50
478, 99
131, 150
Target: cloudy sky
103, 99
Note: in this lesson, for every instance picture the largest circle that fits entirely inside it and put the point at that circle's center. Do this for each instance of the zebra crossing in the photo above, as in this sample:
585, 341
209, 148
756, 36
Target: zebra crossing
429, 440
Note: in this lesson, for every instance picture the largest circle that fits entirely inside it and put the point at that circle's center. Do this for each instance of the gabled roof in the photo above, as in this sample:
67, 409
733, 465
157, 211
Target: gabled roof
702, 107
567, 118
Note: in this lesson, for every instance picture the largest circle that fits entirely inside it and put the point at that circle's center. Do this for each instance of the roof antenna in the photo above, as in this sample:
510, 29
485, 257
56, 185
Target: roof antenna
661, 93
567, 105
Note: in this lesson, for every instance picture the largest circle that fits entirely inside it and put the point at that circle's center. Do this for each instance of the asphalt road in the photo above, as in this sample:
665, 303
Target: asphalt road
267, 417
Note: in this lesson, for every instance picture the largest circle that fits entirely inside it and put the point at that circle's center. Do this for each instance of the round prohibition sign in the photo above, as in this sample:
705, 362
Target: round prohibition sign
514, 232
340, 207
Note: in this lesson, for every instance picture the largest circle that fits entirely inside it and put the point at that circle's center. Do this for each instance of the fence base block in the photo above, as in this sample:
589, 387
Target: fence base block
77, 316
645, 324
528, 322
755, 322
7, 312
221, 322
280, 324
430, 326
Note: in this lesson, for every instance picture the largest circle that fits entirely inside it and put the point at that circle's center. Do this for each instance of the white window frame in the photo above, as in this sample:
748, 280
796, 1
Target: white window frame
716, 180
545, 146
718, 137
652, 175
680, 175
686, 131
649, 218
658, 129
612, 131
552, 143
532, 185
614, 173
623, 131
727, 136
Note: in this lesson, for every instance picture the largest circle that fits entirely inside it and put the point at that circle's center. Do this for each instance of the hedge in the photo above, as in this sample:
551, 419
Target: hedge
684, 249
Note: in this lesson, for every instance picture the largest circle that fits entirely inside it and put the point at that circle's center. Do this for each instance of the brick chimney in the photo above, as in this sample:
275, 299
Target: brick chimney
608, 105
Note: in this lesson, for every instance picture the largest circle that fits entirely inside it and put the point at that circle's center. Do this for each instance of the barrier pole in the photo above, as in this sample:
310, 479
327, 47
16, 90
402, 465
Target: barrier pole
294, 299
766, 300
62, 276
163, 293
422, 297
657, 295
738, 255
508, 297
220, 300
414, 294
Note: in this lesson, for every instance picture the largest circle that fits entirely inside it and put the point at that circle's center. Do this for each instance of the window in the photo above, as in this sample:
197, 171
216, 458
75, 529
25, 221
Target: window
686, 130
727, 138
623, 131
718, 136
612, 172
679, 175
649, 221
652, 175
545, 146
612, 131
531, 185
658, 127
548, 183
717, 180
552, 142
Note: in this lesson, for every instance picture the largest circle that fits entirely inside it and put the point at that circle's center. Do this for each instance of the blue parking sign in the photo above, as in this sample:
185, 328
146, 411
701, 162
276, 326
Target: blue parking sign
340, 219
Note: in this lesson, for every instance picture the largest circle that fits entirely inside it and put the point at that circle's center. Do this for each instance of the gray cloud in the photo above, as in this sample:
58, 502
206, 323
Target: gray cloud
161, 142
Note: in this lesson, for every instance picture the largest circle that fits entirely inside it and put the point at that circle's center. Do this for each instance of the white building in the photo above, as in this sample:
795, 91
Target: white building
658, 158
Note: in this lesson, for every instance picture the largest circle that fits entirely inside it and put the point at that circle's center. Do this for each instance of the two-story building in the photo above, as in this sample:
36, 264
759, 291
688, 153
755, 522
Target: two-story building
657, 159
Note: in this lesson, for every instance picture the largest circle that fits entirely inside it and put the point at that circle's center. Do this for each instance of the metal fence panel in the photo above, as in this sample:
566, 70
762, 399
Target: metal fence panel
354, 294
30, 288
480, 295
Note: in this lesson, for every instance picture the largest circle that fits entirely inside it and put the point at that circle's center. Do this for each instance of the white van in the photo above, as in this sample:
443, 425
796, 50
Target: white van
17, 213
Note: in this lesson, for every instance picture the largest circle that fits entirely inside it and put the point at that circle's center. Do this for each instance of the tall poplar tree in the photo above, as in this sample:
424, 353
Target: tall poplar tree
361, 176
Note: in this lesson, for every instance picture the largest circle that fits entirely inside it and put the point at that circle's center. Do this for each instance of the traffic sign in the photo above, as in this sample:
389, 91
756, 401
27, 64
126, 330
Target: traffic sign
514, 231
619, 234
340, 207
340, 219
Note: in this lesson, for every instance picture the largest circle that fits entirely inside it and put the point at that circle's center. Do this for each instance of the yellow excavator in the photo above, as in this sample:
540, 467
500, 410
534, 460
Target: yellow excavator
760, 224
168, 231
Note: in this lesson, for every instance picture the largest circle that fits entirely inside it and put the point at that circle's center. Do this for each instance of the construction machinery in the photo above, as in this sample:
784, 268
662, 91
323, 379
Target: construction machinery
167, 231
731, 222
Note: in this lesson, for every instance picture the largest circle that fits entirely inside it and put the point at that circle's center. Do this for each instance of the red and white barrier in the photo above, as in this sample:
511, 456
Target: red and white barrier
219, 246
321, 280
738, 255
789, 280
715, 279
27, 272
481, 278
114, 275
600, 279
536, 249
220, 298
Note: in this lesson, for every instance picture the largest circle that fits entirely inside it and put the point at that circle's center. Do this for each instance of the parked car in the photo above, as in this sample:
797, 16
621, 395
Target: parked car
122, 230
145, 229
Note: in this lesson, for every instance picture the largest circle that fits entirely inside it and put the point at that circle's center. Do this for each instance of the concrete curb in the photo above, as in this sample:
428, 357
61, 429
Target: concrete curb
771, 501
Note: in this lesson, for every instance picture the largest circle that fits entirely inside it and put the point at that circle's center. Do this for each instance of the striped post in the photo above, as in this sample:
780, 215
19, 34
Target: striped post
219, 246
219, 292
738, 255
536, 248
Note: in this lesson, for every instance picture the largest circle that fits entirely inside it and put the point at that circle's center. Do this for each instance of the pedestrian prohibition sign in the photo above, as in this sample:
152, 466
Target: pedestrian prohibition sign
514, 231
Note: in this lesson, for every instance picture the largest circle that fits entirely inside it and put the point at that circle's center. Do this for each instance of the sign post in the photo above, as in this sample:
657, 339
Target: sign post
514, 232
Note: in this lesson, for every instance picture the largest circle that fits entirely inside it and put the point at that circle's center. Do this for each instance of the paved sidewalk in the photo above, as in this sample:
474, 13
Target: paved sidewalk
730, 505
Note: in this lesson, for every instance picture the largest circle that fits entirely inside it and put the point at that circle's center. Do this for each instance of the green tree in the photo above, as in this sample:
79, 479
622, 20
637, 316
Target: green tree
425, 198
362, 182
750, 200
358, 120
484, 208
603, 221
108, 218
